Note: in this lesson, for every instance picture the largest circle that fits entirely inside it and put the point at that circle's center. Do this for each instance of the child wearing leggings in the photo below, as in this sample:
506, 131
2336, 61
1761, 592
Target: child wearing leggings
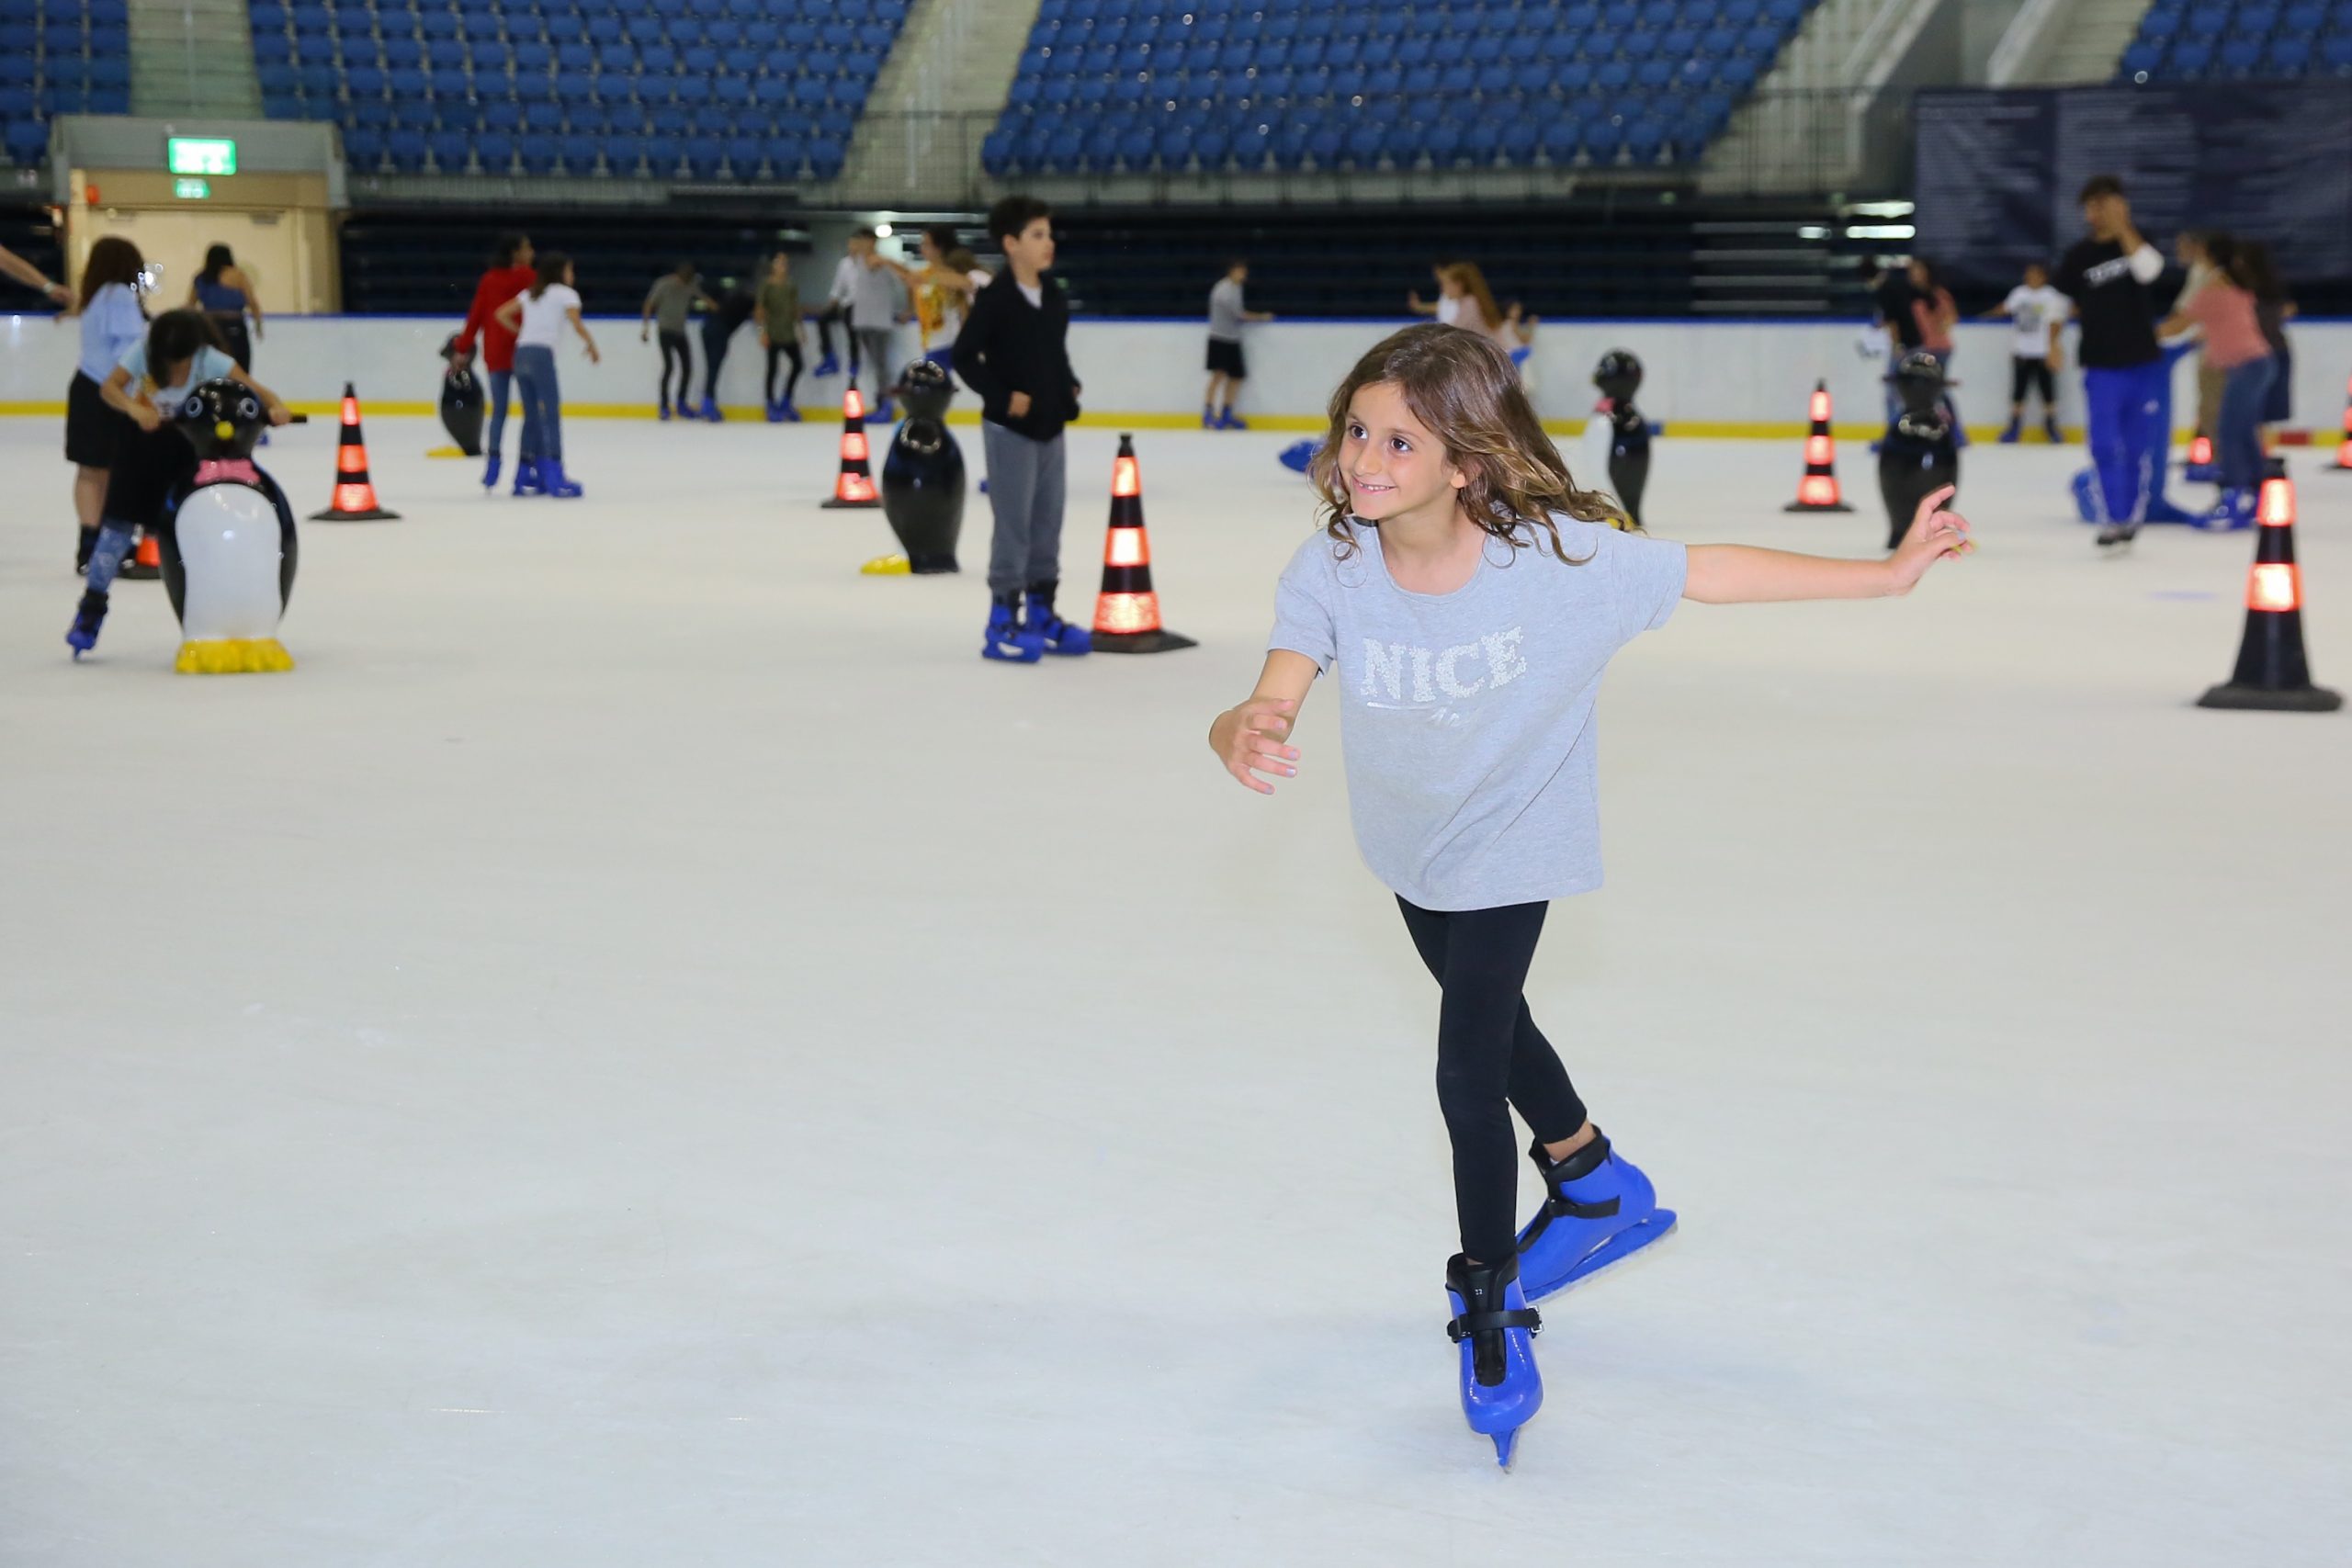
1465, 597
151, 458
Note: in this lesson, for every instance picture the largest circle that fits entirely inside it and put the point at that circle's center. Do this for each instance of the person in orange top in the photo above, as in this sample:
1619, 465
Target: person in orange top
511, 273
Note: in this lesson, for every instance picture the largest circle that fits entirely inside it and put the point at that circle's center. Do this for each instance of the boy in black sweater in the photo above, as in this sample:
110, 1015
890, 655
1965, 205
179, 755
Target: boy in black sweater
1013, 352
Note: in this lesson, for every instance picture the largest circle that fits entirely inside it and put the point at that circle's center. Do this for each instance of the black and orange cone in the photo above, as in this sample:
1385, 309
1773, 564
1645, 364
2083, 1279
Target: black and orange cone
1126, 614
355, 492
2272, 672
1817, 492
854, 486
146, 562
2344, 453
2200, 453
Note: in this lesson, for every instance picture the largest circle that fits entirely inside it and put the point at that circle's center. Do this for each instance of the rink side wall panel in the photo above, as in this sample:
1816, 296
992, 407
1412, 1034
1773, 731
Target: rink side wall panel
1742, 378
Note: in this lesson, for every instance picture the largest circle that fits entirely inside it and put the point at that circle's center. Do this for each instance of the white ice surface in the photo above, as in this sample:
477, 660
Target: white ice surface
644, 1050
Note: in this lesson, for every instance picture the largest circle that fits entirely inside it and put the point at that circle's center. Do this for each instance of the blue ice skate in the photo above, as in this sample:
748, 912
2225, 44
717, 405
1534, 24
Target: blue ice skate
1299, 454
1502, 1390
88, 616
489, 473
526, 478
1006, 638
1228, 420
1598, 1210
2232, 510
1053, 634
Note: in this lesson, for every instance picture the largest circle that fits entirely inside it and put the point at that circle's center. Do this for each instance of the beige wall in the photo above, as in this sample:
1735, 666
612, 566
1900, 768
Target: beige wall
277, 225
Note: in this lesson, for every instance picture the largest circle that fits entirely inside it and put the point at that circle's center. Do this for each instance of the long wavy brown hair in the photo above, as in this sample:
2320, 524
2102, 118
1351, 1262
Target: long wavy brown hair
1467, 393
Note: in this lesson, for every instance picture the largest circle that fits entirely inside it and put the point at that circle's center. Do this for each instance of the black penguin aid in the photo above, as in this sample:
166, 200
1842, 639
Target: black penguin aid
228, 551
1617, 437
922, 478
461, 397
1920, 451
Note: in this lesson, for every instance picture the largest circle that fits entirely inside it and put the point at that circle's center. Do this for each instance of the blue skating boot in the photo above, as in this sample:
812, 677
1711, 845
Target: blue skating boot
1056, 635
1299, 455
88, 616
1502, 1390
1597, 1210
829, 365
791, 412
553, 482
776, 413
2162, 508
2086, 491
2050, 428
1231, 420
882, 414
2011, 436
665, 410
527, 476
489, 473
2232, 510
1006, 638
711, 411
1208, 417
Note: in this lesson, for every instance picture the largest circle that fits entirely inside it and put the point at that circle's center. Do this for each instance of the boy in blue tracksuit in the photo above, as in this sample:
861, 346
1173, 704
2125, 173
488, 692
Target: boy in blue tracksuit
2111, 277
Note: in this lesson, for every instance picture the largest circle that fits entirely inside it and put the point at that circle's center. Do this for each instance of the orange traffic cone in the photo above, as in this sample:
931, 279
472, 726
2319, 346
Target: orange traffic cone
2344, 453
2201, 458
1126, 615
1817, 492
854, 485
146, 563
2272, 672
354, 493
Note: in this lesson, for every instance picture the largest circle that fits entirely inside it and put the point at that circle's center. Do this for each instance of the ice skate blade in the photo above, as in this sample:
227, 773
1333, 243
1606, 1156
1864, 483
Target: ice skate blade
1618, 1250
1504, 1442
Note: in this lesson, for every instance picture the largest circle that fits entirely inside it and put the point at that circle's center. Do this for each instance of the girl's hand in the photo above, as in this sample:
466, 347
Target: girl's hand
278, 412
145, 416
1248, 740
1936, 534
594, 357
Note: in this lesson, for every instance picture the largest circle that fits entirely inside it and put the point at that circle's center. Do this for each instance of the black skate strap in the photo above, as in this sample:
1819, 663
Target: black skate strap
1471, 1323
1561, 1204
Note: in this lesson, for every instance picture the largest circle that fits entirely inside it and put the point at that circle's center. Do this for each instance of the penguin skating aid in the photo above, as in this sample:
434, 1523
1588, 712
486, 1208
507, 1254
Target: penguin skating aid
231, 550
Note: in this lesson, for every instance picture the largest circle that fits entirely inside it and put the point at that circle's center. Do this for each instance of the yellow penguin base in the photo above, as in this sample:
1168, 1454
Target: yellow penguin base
233, 656
887, 565
447, 452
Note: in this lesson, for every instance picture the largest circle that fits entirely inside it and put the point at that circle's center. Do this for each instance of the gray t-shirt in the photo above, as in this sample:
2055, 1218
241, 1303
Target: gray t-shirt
1467, 717
1225, 311
671, 297
876, 298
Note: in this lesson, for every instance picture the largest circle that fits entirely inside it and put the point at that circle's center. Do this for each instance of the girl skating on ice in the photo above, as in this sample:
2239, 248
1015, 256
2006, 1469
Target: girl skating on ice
1465, 596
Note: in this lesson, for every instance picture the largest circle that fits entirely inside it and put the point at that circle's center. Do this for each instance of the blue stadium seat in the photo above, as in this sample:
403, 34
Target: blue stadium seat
2241, 57
539, 151
494, 151
405, 149
2190, 58
663, 155
826, 155
363, 146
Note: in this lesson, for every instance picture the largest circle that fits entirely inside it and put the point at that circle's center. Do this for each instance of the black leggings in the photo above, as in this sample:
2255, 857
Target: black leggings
1490, 1058
784, 348
2032, 376
714, 354
674, 344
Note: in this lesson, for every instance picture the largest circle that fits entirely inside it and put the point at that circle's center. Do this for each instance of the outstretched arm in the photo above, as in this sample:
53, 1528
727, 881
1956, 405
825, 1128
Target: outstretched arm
1740, 574
1254, 737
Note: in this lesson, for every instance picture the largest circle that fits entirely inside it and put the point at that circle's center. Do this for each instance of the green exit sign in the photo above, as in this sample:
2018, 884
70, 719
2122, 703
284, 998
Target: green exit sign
192, 190
201, 155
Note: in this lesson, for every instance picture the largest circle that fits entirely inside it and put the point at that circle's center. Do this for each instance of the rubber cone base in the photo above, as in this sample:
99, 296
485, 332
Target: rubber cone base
1809, 506
838, 504
1141, 642
2292, 699
373, 515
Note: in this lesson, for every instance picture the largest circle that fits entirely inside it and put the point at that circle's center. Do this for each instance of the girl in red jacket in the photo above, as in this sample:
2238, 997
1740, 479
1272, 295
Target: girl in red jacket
511, 273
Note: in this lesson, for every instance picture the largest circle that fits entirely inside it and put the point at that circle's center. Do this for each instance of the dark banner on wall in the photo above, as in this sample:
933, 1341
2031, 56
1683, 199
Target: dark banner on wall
1995, 171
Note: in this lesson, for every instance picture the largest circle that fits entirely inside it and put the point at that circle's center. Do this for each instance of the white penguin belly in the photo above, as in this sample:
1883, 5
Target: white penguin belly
230, 551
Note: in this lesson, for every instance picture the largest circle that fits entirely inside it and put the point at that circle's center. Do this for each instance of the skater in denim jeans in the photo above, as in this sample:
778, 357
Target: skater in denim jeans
537, 319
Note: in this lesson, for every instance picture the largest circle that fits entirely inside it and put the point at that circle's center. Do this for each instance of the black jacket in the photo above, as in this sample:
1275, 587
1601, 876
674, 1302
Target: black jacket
1009, 345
